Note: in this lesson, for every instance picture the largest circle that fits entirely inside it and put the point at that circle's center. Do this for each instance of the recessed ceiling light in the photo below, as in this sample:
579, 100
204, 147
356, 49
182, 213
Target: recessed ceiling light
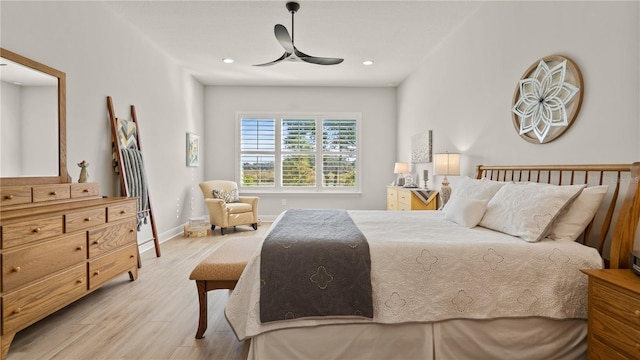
367, 62
227, 61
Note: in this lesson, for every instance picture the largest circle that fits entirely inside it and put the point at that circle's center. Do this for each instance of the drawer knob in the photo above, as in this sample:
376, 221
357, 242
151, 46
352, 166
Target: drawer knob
79, 248
123, 212
96, 273
96, 242
9, 197
17, 311
53, 193
85, 190
16, 269
37, 230
132, 256
79, 281
88, 219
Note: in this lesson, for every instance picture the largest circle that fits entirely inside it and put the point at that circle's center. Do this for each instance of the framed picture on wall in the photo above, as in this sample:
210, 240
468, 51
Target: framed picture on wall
193, 149
421, 147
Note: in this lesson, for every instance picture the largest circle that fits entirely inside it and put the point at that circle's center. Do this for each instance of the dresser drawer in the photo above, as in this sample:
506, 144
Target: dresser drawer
121, 211
30, 304
80, 190
51, 192
607, 299
107, 267
617, 334
109, 237
36, 261
14, 195
85, 219
30, 231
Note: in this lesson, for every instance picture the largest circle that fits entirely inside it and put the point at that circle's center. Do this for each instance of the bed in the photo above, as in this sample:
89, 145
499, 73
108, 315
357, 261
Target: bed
489, 277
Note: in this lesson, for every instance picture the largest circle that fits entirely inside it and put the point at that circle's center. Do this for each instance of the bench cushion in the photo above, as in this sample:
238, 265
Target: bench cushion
228, 260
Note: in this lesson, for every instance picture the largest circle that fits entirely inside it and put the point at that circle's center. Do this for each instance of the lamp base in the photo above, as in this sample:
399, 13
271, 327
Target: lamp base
445, 191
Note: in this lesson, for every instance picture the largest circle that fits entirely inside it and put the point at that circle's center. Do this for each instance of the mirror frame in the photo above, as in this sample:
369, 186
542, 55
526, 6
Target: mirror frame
63, 175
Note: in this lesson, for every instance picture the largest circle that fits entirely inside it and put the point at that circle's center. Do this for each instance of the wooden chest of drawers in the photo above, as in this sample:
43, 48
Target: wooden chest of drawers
55, 252
614, 314
399, 198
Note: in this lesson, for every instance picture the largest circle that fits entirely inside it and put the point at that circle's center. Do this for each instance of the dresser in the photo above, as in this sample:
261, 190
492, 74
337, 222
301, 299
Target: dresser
58, 243
614, 314
399, 198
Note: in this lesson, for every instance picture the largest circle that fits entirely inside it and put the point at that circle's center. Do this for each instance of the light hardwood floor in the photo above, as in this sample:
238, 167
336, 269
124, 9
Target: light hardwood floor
154, 317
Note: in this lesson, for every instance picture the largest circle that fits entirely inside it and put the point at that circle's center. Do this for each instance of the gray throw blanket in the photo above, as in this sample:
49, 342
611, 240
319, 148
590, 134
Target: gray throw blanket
315, 263
136, 181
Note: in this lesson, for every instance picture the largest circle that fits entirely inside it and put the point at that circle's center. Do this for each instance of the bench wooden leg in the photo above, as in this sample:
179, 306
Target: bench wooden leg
202, 298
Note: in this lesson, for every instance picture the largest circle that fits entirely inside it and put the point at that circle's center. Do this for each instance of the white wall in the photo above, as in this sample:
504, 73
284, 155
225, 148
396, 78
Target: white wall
378, 137
104, 56
464, 89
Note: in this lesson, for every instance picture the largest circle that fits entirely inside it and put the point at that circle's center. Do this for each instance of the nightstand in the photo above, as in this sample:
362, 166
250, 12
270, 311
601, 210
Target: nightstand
400, 198
614, 314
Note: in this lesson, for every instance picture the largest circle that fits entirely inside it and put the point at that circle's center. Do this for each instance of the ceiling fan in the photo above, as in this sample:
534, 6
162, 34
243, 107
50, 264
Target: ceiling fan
290, 51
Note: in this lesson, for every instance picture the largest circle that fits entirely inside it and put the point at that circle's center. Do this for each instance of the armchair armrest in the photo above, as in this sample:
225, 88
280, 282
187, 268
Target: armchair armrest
217, 211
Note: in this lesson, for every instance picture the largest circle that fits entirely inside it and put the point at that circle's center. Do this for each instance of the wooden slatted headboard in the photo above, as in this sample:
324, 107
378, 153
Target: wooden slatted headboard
622, 209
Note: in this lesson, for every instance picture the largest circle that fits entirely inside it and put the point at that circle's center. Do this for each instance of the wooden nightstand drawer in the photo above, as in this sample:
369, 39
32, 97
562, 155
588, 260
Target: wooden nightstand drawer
36, 261
605, 298
81, 220
109, 237
599, 351
404, 197
615, 333
30, 231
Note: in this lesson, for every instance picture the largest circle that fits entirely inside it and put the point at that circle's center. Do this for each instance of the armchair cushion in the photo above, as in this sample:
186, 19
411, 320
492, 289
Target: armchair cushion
228, 195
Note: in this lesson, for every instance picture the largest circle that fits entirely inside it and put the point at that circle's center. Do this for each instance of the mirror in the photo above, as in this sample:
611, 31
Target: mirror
32, 122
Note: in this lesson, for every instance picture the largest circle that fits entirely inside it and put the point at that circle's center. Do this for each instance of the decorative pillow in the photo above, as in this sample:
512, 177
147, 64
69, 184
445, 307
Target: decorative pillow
571, 223
229, 196
469, 188
465, 211
527, 210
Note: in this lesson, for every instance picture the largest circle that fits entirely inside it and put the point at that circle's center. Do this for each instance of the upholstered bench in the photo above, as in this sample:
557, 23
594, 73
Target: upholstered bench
221, 270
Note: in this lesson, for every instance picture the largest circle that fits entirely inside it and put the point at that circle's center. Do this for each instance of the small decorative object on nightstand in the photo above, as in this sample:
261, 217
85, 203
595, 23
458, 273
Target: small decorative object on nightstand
614, 314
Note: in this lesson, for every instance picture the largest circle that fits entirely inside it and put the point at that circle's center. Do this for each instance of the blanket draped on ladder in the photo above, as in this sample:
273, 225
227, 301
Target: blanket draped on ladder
136, 181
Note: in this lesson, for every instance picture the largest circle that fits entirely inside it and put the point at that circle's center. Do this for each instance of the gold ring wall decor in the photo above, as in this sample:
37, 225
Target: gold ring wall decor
547, 99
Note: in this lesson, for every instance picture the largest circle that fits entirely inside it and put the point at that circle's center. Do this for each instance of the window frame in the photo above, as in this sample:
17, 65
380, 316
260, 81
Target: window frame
278, 153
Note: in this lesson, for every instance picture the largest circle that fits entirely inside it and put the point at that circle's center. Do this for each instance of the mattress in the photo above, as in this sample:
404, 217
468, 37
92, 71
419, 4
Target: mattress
426, 269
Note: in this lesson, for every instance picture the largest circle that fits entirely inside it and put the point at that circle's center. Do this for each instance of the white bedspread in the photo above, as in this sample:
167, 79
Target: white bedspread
425, 268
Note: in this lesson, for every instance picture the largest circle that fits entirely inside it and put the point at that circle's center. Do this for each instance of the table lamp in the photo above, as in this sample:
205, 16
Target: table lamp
400, 168
448, 165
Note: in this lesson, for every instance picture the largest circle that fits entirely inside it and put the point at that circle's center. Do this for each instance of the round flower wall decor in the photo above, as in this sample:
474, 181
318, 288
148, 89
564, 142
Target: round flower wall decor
547, 99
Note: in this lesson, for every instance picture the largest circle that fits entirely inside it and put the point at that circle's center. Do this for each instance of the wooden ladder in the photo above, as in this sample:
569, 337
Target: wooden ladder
123, 180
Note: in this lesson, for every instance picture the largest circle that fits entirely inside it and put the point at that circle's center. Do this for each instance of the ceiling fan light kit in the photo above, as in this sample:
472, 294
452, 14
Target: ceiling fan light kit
291, 53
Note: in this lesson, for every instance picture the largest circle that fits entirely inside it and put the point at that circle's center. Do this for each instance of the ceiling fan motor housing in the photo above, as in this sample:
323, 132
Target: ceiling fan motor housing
293, 6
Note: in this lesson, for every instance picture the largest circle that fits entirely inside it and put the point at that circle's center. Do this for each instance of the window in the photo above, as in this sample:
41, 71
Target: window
308, 153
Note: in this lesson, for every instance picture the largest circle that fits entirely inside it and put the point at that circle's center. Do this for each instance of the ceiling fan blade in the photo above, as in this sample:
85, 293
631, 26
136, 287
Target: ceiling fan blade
282, 35
315, 59
284, 56
321, 60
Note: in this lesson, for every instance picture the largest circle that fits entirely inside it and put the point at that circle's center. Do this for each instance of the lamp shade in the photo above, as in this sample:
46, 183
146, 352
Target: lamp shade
447, 164
401, 168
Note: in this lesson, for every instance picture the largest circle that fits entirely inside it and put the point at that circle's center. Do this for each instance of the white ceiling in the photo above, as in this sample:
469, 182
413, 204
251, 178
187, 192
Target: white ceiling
397, 35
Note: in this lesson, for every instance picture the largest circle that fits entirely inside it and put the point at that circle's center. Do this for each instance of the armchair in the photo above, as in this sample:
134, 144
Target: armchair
226, 207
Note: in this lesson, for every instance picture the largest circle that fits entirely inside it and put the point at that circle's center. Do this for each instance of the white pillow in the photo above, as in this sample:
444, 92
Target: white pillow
528, 210
571, 223
469, 188
466, 212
